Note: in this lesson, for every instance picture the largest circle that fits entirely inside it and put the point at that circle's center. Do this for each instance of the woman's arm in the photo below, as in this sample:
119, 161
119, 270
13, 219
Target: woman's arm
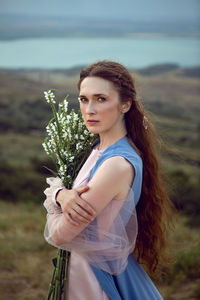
75, 208
111, 181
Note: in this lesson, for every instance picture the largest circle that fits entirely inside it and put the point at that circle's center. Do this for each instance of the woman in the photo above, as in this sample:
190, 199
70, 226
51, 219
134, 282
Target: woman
117, 213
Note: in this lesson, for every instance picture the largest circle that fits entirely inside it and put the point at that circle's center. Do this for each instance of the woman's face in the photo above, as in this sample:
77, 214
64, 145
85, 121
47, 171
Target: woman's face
100, 105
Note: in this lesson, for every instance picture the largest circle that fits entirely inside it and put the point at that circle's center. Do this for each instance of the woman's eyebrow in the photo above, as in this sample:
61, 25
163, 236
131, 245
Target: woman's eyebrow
95, 95
101, 94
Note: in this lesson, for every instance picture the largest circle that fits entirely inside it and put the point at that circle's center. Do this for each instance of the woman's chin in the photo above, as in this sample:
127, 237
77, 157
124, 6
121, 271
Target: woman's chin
92, 130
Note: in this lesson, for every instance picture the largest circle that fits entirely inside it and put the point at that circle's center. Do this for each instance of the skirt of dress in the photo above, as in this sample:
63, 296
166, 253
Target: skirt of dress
86, 282
82, 283
132, 284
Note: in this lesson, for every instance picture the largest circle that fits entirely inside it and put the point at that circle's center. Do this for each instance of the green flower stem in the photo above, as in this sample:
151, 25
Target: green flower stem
65, 273
57, 283
51, 286
55, 116
57, 124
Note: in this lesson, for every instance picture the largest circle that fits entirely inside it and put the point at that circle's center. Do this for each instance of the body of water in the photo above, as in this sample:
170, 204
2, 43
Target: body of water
136, 52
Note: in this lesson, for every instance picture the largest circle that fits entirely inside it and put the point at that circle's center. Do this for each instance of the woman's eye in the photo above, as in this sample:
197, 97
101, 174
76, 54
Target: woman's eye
82, 99
102, 99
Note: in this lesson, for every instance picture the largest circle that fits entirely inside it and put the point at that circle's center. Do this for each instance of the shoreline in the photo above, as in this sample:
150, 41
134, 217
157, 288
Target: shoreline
150, 70
139, 35
168, 65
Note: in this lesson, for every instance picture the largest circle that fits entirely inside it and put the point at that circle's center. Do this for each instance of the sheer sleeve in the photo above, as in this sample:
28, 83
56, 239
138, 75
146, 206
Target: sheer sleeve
55, 183
106, 242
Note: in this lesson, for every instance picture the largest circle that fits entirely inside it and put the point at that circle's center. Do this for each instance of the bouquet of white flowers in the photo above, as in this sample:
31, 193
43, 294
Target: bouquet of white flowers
68, 143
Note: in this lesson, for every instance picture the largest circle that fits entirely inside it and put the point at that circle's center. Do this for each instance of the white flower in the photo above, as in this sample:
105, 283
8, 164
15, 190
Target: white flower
49, 96
75, 117
65, 134
45, 148
82, 137
71, 159
85, 131
65, 105
78, 146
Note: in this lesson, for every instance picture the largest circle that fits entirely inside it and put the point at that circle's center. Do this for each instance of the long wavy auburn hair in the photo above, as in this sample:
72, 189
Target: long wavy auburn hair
154, 206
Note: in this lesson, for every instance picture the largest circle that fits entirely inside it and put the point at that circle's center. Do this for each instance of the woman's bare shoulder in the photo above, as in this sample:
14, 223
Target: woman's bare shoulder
115, 174
117, 164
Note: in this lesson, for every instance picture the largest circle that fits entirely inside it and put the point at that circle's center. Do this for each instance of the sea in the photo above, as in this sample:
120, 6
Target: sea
132, 51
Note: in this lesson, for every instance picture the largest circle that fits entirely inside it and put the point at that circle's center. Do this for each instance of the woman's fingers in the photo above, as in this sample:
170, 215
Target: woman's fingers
75, 208
82, 214
83, 204
86, 208
78, 218
82, 189
71, 221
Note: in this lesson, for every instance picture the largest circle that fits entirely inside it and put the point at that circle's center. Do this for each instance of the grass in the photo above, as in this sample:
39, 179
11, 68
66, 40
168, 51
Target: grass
182, 278
25, 257
13, 144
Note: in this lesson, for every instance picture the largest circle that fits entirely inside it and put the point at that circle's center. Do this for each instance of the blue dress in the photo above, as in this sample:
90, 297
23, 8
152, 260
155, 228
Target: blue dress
133, 283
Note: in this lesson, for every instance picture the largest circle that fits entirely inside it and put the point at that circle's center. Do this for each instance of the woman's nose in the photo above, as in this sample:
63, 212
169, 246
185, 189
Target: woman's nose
90, 109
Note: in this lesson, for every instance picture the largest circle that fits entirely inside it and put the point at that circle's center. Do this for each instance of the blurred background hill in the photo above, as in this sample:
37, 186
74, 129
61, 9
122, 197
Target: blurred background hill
166, 70
14, 26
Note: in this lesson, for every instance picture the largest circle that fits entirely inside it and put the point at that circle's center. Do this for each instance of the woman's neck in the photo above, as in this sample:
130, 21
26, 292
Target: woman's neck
107, 140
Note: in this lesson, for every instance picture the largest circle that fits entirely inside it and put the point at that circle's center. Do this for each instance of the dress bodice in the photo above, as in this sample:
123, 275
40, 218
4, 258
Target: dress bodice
123, 148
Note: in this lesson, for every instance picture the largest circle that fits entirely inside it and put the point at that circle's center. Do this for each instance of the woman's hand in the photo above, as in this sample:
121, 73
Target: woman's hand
74, 207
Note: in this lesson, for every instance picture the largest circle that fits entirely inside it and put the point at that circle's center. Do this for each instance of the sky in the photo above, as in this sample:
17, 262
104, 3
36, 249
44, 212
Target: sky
157, 10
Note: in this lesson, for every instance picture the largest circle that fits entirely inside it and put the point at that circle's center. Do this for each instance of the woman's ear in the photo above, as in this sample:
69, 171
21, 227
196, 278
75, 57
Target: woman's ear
126, 106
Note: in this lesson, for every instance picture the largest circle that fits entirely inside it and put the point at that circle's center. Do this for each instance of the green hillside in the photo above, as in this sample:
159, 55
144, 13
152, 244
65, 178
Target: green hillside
171, 98
170, 95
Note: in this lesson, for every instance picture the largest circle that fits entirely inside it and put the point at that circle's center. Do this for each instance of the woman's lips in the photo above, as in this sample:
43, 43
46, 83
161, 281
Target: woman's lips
92, 122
